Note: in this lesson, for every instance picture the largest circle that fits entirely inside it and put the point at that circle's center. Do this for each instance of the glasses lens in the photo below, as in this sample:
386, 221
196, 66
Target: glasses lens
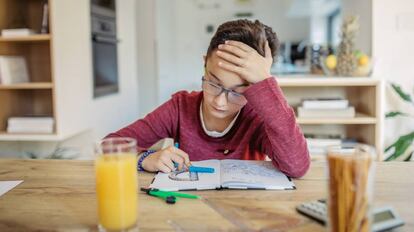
214, 89
211, 88
236, 98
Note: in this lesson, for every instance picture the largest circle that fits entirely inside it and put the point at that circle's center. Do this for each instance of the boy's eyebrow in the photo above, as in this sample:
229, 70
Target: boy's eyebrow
215, 77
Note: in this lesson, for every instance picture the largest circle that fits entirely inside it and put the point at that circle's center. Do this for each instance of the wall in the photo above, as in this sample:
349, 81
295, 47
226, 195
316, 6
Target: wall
76, 109
364, 10
393, 49
182, 38
146, 56
166, 53
316, 11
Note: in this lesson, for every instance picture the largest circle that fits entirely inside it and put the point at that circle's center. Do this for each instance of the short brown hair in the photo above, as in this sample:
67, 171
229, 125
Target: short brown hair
251, 33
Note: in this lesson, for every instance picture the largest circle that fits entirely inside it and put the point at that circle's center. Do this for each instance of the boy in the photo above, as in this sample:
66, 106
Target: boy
240, 114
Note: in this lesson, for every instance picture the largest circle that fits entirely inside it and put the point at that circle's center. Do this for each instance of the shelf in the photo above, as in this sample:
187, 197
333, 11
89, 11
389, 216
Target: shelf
29, 38
359, 119
36, 97
4, 136
33, 85
316, 81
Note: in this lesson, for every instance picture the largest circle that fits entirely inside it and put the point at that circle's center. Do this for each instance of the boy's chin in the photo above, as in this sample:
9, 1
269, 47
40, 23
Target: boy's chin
221, 114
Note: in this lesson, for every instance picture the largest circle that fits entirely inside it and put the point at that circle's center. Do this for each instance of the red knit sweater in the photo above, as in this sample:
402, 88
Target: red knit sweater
265, 125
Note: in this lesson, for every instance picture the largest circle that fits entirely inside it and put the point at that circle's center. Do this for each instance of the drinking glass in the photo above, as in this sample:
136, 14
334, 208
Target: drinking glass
351, 170
116, 184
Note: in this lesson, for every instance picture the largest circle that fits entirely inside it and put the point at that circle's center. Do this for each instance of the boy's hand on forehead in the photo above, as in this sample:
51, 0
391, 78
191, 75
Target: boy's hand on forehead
245, 61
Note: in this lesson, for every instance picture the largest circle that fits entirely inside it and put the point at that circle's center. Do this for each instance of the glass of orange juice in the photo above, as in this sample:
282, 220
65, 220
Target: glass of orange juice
117, 184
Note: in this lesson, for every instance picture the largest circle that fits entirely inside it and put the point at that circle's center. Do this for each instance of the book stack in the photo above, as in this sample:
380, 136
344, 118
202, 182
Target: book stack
30, 125
318, 144
16, 32
326, 108
13, 69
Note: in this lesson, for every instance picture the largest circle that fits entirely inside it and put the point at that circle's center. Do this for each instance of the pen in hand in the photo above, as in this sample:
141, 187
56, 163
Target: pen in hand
176, 165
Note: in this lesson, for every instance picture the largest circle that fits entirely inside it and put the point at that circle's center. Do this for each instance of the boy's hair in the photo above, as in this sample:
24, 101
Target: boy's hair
251, 33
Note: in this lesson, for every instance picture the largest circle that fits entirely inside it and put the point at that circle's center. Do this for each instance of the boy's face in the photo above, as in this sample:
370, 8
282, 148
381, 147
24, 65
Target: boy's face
219, 106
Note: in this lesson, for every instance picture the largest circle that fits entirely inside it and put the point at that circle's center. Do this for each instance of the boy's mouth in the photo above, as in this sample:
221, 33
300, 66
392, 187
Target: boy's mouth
219, 110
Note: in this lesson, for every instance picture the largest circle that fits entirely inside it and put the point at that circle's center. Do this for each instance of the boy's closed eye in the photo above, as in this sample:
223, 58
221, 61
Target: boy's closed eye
239, 88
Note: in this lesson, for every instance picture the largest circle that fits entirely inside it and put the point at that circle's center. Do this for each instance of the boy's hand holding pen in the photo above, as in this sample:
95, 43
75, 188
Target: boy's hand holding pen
171, 159
167, 160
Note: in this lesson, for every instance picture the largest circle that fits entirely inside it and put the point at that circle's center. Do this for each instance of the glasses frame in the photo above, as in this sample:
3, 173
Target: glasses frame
225, 90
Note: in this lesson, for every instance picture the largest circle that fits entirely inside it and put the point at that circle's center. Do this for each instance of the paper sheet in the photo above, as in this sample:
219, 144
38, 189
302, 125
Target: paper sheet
6, 186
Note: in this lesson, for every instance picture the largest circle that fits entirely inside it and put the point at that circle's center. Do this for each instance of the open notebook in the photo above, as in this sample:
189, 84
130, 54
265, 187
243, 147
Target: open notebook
232, 174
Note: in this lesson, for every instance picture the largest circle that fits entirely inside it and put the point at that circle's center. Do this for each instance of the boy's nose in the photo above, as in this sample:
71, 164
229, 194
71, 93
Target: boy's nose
221, 99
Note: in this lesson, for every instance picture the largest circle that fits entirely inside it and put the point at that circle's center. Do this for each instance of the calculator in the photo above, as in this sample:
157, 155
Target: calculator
385, 218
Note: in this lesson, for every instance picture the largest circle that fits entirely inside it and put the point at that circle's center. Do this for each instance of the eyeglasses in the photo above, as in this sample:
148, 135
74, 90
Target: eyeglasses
216, 90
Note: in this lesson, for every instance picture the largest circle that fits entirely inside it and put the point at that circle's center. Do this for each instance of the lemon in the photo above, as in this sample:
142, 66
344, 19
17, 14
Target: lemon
331, 61
363, 60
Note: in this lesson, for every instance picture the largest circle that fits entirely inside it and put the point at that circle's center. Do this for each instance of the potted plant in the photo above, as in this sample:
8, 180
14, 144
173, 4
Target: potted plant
403, 147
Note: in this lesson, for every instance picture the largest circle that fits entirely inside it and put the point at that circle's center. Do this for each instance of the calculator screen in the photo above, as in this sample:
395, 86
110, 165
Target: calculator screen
383, 216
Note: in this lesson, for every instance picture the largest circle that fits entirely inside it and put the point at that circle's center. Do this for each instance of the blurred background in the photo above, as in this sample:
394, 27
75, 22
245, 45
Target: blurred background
96, 66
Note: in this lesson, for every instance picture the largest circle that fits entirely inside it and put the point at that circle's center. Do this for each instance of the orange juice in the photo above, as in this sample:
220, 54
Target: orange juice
116, 186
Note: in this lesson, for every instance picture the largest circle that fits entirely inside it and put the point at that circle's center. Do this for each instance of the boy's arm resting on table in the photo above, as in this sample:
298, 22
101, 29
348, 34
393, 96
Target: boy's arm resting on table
280, 136
160, 123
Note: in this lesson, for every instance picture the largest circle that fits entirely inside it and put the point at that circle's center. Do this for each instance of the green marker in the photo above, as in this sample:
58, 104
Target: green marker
184, 195
169, 197
163, 195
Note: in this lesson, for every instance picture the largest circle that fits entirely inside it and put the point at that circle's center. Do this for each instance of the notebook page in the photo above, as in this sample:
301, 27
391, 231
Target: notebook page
242, 174
162, 181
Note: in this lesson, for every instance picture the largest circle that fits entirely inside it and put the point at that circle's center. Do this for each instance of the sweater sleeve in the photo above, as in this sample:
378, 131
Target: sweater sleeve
279, 137
159, 124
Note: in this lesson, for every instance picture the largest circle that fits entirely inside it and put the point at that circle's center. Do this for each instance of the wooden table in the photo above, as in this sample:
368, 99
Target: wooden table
60, 195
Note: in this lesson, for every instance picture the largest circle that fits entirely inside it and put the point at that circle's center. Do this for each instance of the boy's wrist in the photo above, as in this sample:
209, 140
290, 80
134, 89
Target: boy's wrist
141, 158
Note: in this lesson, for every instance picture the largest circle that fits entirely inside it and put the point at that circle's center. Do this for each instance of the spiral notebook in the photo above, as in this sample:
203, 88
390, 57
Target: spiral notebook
229, 174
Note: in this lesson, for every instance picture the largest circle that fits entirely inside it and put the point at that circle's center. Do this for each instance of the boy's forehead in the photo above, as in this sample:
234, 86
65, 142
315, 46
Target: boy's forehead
225, 77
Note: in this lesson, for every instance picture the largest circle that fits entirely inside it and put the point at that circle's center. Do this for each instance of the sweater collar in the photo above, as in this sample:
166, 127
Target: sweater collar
215, 134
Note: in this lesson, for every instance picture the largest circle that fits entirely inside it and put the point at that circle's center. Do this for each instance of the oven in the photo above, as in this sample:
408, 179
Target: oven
104, 47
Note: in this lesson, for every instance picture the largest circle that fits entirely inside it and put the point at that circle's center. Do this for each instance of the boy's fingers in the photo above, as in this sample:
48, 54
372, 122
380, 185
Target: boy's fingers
178, 159
231, 67
182, 154
240, 45
166, 160
233, 50
164, 168
231, 58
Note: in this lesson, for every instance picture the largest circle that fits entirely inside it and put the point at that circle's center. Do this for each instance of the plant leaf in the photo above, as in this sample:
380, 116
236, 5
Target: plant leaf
409, 157
394, 114
403, 95
31, 155
401, 145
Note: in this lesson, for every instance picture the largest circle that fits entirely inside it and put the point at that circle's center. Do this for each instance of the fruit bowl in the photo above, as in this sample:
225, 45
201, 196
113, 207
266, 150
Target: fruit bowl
364, 66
